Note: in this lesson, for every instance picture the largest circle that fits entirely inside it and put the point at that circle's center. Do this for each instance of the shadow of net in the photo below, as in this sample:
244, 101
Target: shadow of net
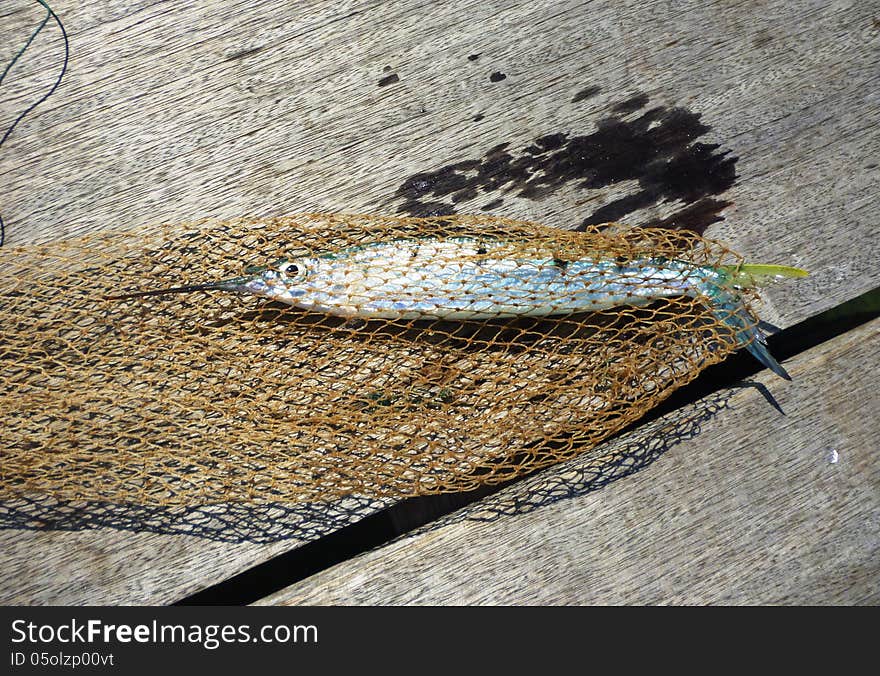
589, 471
610, 461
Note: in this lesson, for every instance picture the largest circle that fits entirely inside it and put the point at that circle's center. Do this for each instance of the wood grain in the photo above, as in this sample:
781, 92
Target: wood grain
121, 567
108, 567
175, 111
172, 112
752, 510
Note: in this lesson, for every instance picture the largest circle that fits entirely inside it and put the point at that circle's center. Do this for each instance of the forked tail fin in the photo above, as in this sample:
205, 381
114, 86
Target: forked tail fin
731, 309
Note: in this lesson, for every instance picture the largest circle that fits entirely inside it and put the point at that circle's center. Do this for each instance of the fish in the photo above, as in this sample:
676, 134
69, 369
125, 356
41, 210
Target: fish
474, 278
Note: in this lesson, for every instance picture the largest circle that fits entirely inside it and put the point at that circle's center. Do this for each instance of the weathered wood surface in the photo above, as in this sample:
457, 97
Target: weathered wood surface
121, 567
111, 567
752, 510
172, 112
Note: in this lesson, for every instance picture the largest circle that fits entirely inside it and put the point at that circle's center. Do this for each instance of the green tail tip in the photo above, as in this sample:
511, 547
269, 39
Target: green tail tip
758, 274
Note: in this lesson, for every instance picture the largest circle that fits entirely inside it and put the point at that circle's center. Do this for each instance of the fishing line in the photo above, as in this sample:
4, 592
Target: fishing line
50, 14
21, 51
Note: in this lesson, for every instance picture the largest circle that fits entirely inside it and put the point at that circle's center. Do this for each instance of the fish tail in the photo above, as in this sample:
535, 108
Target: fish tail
758, 348
731, 309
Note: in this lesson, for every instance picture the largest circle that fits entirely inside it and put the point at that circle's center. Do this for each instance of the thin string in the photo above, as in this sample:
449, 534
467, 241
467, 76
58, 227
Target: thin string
50, 14
26, 45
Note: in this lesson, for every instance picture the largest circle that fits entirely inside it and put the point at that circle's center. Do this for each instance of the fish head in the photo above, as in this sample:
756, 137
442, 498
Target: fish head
283, 279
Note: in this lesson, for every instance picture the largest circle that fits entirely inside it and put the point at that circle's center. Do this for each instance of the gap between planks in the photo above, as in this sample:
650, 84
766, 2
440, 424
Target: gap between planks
753, 510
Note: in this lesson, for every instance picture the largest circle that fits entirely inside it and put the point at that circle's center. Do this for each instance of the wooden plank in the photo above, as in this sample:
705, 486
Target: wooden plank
172, 112
122, 567
110, 567
752, 510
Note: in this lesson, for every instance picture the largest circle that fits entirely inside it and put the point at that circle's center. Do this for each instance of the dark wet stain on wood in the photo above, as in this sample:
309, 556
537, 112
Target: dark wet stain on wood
659, 150
549, 142
386, 69
497, 76
423, 209
473, 57
587, 93
389, 79
464, 194
697, 216
632, 104
478, 117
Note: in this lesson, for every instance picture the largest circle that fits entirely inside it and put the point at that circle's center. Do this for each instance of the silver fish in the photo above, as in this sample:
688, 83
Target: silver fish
460, 278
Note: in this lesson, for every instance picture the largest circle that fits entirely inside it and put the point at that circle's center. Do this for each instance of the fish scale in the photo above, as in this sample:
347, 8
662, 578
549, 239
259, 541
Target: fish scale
461, 278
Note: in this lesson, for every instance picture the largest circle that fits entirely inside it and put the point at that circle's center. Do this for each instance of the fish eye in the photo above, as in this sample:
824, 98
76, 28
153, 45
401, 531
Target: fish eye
290, 269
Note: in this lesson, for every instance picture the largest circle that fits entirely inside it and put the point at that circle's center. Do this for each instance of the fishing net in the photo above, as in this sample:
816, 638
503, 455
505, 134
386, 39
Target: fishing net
213, 397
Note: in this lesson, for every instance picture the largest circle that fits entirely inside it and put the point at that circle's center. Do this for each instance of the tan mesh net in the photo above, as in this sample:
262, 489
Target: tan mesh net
217, 397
